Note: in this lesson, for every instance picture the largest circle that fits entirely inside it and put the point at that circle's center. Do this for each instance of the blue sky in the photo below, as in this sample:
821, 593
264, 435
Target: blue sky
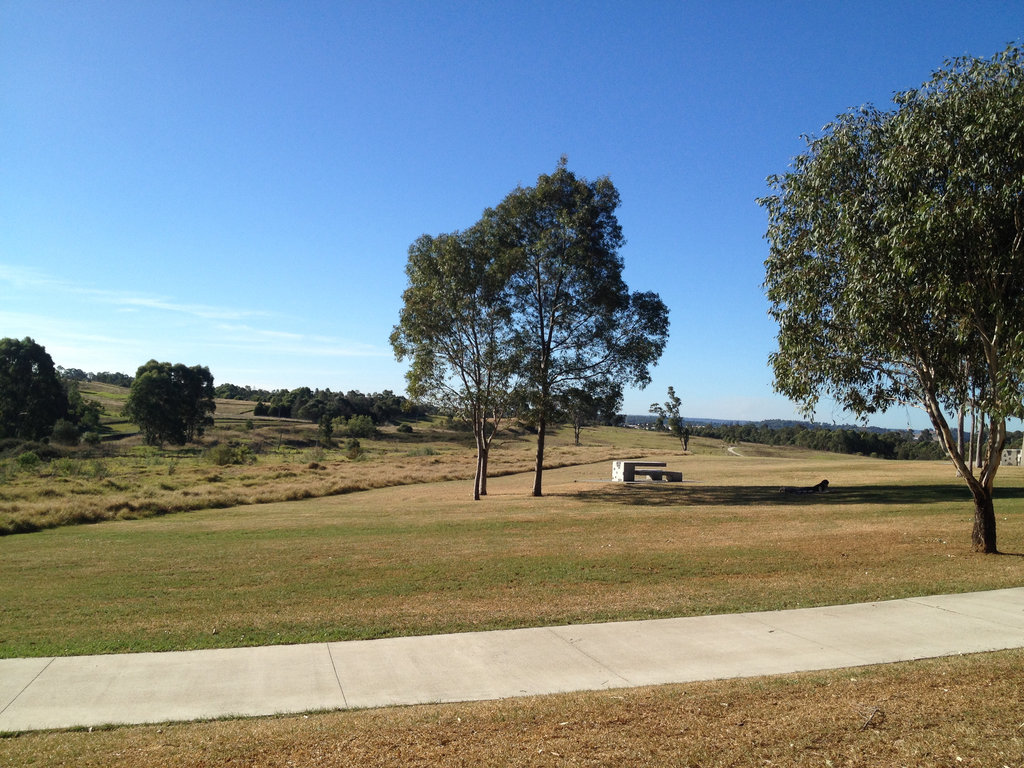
236, 184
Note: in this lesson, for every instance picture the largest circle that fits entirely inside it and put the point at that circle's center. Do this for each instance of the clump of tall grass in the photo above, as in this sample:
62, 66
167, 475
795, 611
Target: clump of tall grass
223, 454
425, 450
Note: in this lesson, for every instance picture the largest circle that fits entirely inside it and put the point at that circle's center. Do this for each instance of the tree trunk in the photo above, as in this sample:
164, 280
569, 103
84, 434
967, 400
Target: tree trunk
983, 534
485, 452
960, 432
479, 480
981, 433
983, 537
539, 471
974, 432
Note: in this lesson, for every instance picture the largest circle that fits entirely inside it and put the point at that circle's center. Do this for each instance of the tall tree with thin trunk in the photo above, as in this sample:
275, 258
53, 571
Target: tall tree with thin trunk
455, 328
575, 319
896, 268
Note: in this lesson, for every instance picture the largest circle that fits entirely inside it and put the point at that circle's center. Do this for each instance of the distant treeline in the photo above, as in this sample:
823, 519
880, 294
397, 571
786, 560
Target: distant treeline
316, 405
869, 441
302, 403
77, 374
893, 444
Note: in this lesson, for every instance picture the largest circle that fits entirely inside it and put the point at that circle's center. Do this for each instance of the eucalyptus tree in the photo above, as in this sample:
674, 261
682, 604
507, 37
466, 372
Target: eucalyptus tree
896, 266
32, 397
669, 415
574, 319
599, 404
171, 403
455, 328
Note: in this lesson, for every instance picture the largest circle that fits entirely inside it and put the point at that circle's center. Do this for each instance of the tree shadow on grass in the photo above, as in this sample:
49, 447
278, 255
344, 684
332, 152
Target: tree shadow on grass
673, 494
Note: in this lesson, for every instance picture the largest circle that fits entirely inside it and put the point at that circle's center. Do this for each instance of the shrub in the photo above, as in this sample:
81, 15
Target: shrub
225, 453
28, 460
91, 438
405, 429
352, 449
67, 466
360, 426
64, 433
97, 470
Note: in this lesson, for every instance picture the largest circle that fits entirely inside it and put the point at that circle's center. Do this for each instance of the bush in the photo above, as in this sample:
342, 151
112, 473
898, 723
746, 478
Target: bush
91, 438
66, 466
225, 453
29, 460
14, 447
360, 426
405, 429
352, 449
64, 433
97, 470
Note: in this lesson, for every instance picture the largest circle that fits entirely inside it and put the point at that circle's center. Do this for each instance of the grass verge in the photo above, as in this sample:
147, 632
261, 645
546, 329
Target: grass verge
962, 711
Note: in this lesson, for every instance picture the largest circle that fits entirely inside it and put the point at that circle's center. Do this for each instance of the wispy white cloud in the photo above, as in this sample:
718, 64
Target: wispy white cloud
30, 278
248, 330
202, 311
24, 277
293, 344
104, 329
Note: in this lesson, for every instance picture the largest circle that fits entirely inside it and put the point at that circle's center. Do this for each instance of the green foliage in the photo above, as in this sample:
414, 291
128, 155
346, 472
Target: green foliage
325, 430
455, 326
353, 450
86, 414
171, 403
64, 433
525, 306
896, 270
360, 426
575, 318
596, 403
29, 460
97, 469
32, 397
223, 454
883, 445
404, 429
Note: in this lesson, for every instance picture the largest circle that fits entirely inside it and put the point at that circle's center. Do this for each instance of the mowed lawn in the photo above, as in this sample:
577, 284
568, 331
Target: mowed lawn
425, 558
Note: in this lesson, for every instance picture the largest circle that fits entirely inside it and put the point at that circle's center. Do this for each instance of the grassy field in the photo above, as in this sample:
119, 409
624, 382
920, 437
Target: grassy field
425, 558
123, 479
421, 557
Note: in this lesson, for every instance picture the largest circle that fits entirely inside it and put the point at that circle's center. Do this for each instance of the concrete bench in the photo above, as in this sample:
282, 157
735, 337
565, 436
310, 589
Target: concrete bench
660, 475
627, 471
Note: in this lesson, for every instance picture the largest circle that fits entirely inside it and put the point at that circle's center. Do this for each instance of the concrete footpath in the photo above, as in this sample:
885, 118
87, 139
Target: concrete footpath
63, 692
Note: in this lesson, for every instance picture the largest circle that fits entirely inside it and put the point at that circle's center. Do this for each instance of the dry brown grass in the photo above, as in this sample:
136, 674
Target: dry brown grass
422, 559
133, 481
963, 711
